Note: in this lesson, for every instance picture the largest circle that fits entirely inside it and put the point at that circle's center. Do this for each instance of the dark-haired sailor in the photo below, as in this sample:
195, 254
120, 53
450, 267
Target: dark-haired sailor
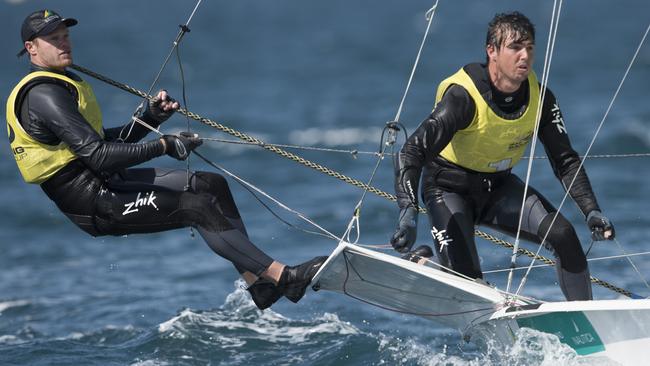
483, 120
59, 142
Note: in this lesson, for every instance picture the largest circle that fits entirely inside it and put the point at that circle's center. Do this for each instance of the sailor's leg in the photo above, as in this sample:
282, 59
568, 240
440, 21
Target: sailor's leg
452, 230
178, 208
208, 205
538, 222
571, 262
199, 182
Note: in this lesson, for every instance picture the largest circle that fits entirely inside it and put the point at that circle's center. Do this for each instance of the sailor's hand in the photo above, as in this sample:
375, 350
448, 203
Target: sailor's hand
600, 226
179, 147
160, 107
407, 230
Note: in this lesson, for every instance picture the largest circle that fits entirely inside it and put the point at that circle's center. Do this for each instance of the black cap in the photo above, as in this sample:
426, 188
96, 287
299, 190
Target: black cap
41, 23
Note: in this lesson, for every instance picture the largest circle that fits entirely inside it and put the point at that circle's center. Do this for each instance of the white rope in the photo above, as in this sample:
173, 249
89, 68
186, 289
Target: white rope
277, 202
256, 189
354, 221
546, 70
632, 264
145, 124
593, 140
429, 16
588, 260
356, 152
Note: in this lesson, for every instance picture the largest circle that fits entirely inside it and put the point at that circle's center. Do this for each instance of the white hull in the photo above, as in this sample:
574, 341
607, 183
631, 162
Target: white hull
616, 329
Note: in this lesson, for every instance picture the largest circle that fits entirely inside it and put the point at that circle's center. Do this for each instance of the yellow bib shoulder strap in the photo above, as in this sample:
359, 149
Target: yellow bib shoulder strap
490, 143
36, 161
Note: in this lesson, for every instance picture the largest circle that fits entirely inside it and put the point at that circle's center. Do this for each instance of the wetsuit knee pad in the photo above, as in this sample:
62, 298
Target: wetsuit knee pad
86, 223
205, 182
199, 209
216, 185
563, 241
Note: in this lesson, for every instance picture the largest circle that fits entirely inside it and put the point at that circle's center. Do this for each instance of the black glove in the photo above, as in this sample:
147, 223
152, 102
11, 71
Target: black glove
153, 111
407, 230
599, 224
179, 147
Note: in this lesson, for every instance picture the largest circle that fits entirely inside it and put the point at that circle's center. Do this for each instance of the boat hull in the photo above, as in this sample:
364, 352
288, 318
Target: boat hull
616, 329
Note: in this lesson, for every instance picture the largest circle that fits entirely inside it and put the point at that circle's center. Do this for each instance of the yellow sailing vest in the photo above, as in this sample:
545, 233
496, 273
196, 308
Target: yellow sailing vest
37, 161
490, 143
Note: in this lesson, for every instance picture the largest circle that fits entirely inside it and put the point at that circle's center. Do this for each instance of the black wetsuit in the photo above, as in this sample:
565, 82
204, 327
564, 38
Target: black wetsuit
458, 198
101, 194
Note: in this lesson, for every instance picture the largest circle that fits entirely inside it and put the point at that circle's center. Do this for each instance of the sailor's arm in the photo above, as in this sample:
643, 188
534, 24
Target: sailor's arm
454, 112
566, 165
564, 160
55, 108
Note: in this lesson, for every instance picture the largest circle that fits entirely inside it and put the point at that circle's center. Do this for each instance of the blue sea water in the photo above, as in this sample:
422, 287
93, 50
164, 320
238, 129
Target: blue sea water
326, 74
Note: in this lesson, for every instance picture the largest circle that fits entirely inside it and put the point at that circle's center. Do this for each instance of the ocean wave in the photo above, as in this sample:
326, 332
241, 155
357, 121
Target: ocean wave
531, 348
335, 136
636, 129
12, 304
240, 316
10, 340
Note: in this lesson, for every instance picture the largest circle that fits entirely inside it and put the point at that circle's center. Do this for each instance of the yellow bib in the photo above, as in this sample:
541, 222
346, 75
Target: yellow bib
37, 161
490, 143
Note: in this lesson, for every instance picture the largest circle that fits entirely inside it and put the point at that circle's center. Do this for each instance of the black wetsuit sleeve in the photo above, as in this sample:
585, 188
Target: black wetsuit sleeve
564, 160
454, 112
54, 108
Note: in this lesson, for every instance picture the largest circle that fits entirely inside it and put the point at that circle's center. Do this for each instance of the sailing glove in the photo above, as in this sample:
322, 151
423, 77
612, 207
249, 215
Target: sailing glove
599, 224
160, 107
407, 230
179, 147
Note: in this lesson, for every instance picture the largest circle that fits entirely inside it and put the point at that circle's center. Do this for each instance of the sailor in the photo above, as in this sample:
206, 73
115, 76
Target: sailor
483, 120
59, 142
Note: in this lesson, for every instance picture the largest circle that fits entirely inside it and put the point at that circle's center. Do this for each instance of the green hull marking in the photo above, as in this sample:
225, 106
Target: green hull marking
573, 328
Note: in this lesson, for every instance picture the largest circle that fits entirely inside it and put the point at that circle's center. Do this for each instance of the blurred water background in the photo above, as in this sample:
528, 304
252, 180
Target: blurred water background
326, 74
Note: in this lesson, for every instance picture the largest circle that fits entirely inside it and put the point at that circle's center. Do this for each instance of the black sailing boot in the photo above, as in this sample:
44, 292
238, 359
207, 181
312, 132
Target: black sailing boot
423, 251
294, 280
264, 293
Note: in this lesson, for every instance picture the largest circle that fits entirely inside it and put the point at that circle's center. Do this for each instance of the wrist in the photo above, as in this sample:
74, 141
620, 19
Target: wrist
164, 145
593, 213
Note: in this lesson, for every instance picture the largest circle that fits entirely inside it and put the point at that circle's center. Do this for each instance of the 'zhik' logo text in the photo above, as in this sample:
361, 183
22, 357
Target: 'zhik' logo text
558, 121
442, 238
147, 200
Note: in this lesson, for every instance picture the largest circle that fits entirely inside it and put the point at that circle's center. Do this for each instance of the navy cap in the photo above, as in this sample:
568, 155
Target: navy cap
41, 23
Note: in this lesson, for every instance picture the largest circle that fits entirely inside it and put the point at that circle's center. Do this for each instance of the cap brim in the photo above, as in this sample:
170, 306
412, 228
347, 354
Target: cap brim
69, 22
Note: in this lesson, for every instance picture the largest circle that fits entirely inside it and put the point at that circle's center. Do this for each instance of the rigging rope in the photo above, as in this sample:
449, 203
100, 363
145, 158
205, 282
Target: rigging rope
588, 260
244, 137
555, 20
307, 163
632, 264
356, 152
250, 187
429, 16
537, 256
600, 125
392, 128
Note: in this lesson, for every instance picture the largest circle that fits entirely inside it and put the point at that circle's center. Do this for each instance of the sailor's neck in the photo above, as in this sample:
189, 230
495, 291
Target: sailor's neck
33, 67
